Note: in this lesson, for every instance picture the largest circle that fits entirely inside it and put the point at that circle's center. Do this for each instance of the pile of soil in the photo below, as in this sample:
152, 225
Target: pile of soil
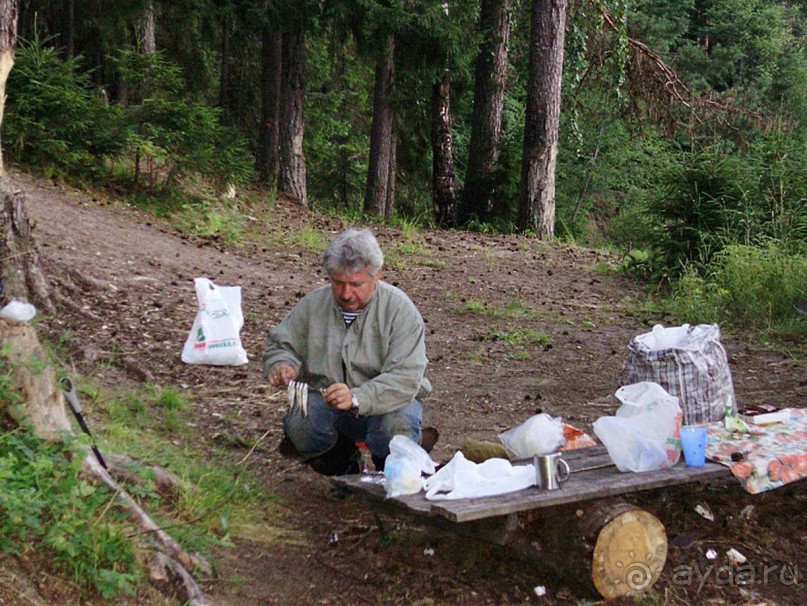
514, 326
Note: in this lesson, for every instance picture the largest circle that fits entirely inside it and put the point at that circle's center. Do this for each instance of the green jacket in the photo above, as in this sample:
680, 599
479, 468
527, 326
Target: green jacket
381, 356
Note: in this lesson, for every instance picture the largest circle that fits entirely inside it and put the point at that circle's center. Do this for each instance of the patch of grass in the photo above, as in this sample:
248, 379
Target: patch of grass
476, 307
307, 238
746, 286
433, 263
515, 337
219, 492
169, 398
210, 219
604, 268
515, 308
401, 254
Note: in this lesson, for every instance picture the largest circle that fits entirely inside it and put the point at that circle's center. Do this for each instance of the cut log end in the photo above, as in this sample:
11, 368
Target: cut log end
629, 554
621, 548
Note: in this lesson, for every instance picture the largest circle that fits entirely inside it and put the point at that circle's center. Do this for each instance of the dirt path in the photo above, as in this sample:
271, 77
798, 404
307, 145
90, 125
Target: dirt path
554, 338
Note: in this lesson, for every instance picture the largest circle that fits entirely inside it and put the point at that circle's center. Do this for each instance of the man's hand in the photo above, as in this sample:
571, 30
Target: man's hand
338, 396
281, 374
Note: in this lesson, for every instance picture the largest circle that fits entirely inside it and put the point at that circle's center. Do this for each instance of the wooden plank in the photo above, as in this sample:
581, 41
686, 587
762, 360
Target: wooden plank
581, 486
415, 503
593, 476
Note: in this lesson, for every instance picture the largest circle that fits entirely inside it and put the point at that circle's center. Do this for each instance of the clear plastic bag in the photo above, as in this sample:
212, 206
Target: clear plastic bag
405, 466
644, 434
540, 434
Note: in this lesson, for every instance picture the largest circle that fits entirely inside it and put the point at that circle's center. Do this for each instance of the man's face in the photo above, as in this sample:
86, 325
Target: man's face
353, 291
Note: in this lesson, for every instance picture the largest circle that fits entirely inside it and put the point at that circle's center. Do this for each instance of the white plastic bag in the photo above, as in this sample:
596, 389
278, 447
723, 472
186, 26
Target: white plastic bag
464, 479
540, 434
214, 337
405, 466
644, 434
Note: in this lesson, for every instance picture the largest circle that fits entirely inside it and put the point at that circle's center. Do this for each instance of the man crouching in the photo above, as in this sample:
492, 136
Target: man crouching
359, 344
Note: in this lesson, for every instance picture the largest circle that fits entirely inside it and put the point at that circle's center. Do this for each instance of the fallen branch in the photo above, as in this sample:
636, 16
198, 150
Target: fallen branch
124, 468
158, 571
671, 82
166, 542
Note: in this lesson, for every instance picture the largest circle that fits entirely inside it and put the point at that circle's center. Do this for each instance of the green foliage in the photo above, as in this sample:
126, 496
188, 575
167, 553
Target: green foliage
174, 134
338, 123
210, 219
714, 199
515, 337
741, 44
45, 504
145, 424
56, 117
746, 285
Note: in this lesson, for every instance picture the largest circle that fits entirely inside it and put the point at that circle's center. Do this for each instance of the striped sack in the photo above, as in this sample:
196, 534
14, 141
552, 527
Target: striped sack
690, 363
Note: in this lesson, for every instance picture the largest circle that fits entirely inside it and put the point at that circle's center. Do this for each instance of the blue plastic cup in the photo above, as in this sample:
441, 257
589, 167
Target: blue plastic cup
693, 443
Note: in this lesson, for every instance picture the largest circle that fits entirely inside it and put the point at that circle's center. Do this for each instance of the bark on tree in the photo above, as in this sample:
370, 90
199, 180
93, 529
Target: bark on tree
8, 45
486, 128
536, 205
148, 42
380, 191
266, 157
291, 179
224, 73
444, 185
70, 27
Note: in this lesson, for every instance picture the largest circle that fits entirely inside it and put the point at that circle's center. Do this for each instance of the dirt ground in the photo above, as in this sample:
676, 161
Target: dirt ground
130, 279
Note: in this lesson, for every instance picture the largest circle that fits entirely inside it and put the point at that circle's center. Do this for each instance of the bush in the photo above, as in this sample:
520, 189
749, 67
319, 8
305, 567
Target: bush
44, 503
176, 135
55, 117
717, 197
748, 286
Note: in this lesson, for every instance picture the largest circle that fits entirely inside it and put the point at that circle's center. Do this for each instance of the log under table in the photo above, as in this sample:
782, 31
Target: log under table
584, 523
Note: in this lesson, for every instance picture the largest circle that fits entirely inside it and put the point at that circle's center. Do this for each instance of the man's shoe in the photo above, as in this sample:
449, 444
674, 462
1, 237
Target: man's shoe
343, 459
287, 448
428, 438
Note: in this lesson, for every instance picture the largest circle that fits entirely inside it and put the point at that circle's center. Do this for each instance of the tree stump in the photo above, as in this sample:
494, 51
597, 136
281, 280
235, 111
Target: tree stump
25, 361
621, 548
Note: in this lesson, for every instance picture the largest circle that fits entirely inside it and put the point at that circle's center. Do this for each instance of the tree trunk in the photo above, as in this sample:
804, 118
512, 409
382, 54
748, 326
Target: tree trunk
486, 128
266, 157
8, 45
224, 73
148, 43
389, 205
536, 205
292, 118
70, 26
444, 195
21, 276
42, 403
381, 168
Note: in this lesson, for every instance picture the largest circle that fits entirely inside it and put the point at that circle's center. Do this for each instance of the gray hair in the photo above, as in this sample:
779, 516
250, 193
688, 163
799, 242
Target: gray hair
351, 251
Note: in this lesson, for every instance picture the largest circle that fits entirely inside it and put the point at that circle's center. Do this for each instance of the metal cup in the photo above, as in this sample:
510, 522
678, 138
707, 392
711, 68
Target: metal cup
550, 471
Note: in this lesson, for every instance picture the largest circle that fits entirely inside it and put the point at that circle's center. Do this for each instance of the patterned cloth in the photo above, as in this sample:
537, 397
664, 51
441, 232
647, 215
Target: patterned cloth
694, 368
768, 457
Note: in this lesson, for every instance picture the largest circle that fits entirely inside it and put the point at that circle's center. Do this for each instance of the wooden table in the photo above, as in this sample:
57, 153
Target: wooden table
582, 523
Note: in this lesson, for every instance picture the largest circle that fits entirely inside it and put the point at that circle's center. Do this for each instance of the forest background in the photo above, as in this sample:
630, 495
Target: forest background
680, 141
679, 145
